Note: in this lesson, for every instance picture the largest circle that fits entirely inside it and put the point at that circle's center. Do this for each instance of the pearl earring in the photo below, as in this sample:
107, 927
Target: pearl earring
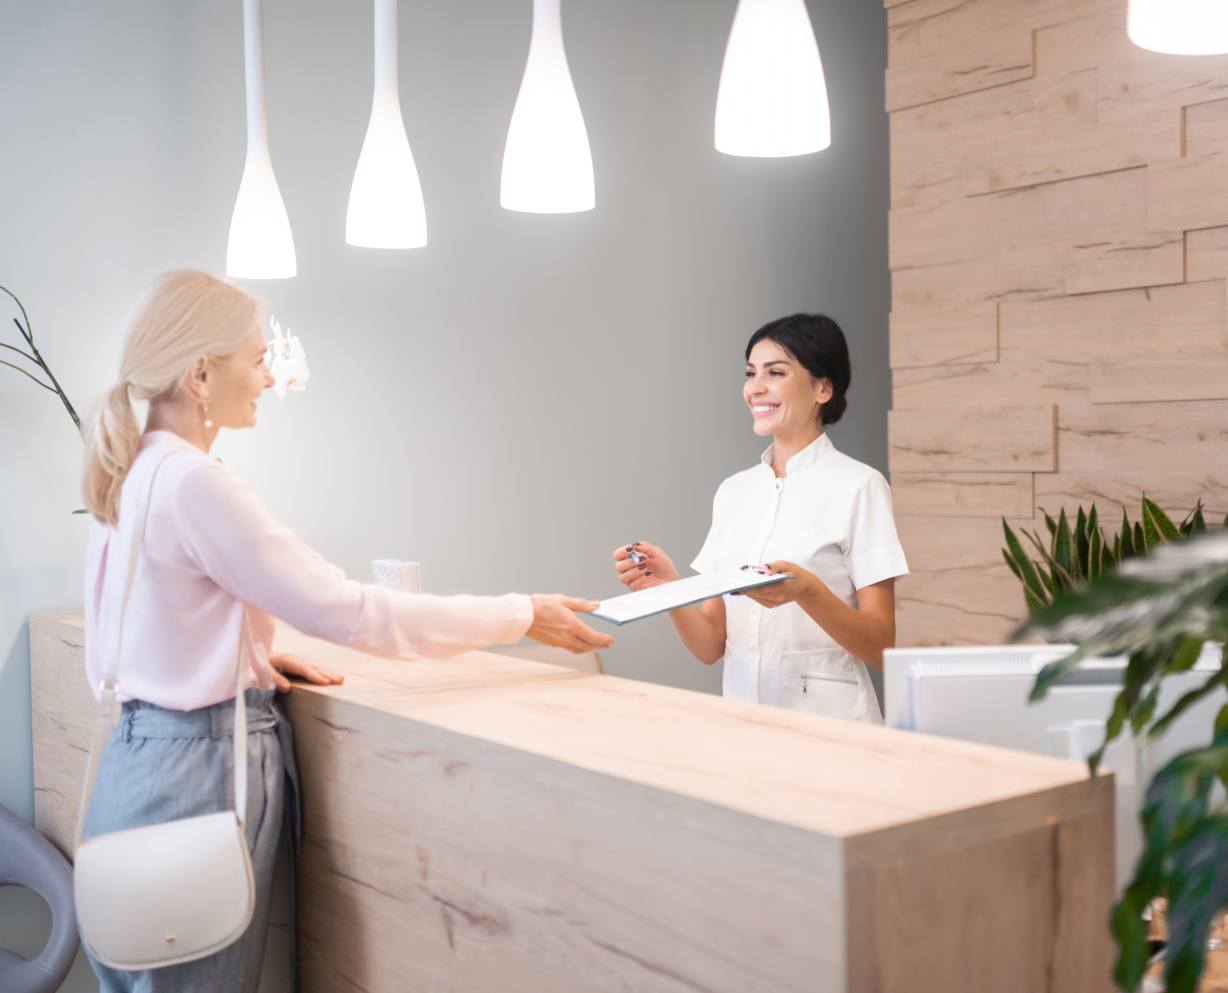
208, 423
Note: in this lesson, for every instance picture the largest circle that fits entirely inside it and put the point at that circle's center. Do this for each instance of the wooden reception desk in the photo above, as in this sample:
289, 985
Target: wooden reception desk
488, 824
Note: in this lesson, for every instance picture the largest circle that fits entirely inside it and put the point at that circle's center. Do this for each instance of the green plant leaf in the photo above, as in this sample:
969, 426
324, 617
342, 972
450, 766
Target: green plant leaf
1198, 889
1050, 523
1143, 666
1023, 565
1186, 701
1185, 656
1174, 808
1141, 545
1063, 543
1057, 579
1095, 554
1221, 725
1198, 523
1130, 930
1082, 543
1159, 523
1184, 591
1127, 538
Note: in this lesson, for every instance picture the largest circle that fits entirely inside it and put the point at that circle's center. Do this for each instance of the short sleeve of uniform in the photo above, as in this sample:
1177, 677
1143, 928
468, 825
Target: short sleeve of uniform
873, 552
712, 555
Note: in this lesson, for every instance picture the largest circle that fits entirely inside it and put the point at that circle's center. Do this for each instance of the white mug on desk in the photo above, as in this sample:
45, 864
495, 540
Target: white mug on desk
397, 574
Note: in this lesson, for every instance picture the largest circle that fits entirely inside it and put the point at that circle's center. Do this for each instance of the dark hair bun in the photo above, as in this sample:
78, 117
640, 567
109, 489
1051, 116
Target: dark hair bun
817, 342
834, 409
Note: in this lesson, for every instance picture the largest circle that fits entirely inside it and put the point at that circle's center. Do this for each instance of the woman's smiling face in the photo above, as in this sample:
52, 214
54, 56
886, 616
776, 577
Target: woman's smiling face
783, 397
237, 382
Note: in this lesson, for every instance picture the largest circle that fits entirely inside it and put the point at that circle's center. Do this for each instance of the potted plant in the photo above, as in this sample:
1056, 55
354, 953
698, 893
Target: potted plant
1159, 609
1079, 553
35, 358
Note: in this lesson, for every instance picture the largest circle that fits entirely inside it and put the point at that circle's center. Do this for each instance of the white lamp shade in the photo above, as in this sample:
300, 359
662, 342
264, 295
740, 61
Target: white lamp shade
547, 165
386, 208
772, 98
260, 245
1179, 27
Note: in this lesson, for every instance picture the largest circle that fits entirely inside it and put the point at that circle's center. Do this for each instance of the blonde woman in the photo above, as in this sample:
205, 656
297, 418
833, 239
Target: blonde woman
215, 569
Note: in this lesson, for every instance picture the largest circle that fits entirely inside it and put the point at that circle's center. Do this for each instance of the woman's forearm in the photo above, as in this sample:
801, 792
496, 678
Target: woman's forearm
863, 635
703, 635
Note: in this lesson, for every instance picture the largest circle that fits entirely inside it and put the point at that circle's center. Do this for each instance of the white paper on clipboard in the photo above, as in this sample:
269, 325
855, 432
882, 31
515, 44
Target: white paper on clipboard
670, 596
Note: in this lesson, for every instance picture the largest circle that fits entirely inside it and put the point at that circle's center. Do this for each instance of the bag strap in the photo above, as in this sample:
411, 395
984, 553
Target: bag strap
108, 703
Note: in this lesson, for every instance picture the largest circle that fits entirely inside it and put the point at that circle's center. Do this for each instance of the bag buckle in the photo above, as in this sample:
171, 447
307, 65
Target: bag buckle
108, 703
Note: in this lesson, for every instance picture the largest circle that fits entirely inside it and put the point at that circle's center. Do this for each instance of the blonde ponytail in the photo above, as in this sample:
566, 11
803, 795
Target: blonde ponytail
111, 448
186, 316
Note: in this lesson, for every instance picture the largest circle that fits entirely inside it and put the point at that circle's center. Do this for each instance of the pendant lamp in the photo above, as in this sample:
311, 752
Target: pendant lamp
1179, 27
547, 165
260, 244
386, 208
772, 98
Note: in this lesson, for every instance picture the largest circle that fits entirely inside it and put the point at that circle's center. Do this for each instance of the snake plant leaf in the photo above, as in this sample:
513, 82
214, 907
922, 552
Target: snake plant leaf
1159, 522
1116, 548
1198, 889
1062, 545
1095, 541
1199, 522
1050, 523
1127, 538
1141, 545
1181, 589
1042, 566
1024, 568
1011, 562
1082, 545
1056, 579
1095, 554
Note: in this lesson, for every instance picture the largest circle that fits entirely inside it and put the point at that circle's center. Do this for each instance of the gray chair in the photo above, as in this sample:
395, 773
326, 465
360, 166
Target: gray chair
28, 859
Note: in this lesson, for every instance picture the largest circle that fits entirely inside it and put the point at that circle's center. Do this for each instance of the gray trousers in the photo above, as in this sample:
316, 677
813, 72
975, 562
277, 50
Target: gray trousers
161, 765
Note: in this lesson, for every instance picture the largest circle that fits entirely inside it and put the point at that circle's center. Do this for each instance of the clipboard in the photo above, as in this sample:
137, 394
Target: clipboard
680, 593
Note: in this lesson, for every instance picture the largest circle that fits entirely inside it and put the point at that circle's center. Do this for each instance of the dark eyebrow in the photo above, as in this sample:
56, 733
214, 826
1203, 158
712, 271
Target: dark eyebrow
751, 365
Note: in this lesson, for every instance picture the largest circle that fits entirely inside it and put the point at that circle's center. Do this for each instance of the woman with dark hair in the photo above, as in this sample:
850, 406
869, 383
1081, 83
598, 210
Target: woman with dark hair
809, 511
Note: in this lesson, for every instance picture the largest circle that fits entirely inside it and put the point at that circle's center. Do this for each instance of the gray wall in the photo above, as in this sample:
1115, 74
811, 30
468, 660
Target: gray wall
505, 405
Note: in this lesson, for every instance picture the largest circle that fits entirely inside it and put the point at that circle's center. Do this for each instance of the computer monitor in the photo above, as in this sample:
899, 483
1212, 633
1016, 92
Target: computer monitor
981, 694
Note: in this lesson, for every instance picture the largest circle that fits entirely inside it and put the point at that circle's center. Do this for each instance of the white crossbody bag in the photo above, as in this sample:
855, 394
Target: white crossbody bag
154, 896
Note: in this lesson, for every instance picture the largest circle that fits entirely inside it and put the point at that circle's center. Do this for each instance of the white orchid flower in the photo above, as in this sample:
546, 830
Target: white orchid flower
286, 361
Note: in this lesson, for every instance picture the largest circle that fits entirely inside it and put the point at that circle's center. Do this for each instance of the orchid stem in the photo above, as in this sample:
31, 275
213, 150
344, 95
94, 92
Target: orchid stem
27, 375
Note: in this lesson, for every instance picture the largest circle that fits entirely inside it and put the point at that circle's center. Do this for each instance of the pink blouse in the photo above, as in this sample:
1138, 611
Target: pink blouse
212, 554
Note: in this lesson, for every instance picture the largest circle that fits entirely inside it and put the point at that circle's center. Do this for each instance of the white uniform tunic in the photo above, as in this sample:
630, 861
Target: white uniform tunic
832, 515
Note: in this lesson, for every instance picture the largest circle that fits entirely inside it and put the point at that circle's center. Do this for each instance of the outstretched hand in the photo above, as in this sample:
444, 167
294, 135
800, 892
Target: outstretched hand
555, 623
286, 666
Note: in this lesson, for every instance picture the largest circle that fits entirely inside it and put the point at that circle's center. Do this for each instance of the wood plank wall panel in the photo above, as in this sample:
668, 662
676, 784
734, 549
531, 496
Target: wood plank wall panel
1059, 252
